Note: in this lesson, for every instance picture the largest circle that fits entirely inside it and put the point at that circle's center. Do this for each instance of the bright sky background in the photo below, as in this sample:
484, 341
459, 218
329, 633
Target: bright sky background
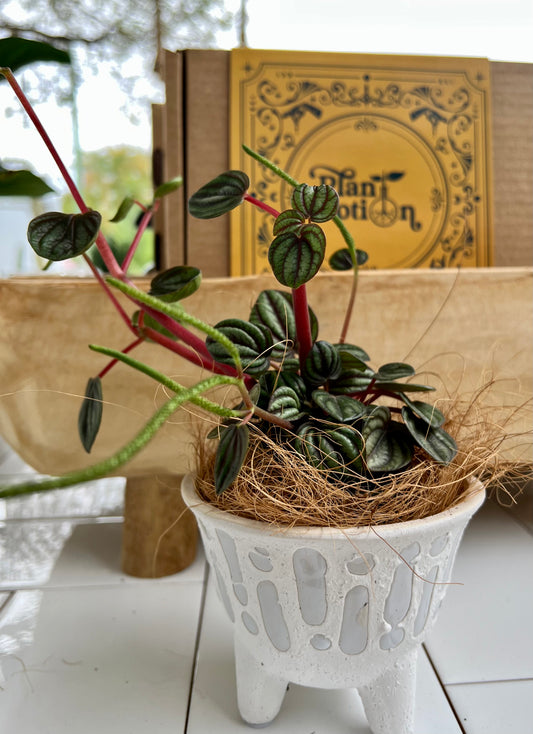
498, 29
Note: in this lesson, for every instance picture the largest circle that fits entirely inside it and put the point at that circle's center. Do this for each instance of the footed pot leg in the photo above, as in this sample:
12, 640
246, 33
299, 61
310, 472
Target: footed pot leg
389, 701
259, 694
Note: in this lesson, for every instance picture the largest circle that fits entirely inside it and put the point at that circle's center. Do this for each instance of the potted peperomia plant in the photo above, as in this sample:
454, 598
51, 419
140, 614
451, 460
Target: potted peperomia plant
330, 497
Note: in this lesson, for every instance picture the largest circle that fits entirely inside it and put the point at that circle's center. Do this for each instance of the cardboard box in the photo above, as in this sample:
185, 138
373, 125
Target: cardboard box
196, 119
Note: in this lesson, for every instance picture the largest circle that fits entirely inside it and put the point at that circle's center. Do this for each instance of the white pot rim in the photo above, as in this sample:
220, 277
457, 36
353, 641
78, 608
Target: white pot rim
467, 506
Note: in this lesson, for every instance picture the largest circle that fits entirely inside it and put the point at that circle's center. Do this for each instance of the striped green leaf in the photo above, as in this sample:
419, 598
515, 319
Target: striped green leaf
296, 258
317, 203
230, 455
219, 196
57, 236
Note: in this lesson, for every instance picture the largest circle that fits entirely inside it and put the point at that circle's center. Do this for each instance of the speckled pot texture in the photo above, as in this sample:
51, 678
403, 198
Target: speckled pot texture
331, 608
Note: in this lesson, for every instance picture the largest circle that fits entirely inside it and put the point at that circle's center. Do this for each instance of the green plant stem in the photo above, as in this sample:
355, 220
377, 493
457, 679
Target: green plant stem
353, 292
101, 242
199, 400
125, 454
178, 314
272, 166
114, 361
190, 355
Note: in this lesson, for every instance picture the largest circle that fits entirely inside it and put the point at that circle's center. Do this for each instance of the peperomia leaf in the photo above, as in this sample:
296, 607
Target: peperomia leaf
90, 415
274, 310
230, 455
401, 387
353, 350
176, 283
285, 403
22, 183
342, 259
272, 380
435, 441
220, 195
335, 449
288, 221
168, 187
317, 203
296, 258
322, 364
340, 408
394, 371
17, 52
387, 444
253, 342
123, 210
352, 381
57, 236
429, 413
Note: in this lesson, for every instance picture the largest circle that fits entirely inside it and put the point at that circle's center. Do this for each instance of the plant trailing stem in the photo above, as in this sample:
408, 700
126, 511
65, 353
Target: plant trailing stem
125, 454
101, 242
114, 361
145, 221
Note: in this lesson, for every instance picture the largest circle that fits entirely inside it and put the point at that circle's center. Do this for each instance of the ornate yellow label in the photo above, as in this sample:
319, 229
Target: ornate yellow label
404, 140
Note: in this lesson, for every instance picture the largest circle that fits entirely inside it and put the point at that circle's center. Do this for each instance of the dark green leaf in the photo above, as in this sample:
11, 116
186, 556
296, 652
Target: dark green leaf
288, 221
295, 259
351, 381
176, 283
335, 449
387, 446
394, 371
435, 441
321, 364
18, 52
274, 310
339, 407
90, 415
230, 455
342, 259
123, 210
353, 350
22, 183
253, 341
317, 203
57, 236
219, 196
272, 380
401, 387
168, 187
429, 413
285, 403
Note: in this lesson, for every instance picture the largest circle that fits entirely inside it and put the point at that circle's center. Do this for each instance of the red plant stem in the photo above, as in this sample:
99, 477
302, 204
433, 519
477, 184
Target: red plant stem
110, 294
145, 221
113, 362
193, 356
303, 325
261, 205
101, 242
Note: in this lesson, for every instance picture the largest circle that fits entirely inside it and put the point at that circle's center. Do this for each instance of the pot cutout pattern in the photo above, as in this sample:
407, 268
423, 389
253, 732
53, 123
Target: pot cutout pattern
331, 608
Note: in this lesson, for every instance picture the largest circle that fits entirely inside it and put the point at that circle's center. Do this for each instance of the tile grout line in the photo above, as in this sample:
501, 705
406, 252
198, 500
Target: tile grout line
199, 628
483, 682
445, 692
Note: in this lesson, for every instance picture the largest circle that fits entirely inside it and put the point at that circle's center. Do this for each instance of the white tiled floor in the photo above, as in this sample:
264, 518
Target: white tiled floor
115, 654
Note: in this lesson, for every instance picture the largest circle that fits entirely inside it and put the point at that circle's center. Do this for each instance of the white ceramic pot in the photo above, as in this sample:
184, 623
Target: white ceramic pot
331, 608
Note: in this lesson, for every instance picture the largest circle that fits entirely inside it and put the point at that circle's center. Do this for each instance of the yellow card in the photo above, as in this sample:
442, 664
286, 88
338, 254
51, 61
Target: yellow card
405, 140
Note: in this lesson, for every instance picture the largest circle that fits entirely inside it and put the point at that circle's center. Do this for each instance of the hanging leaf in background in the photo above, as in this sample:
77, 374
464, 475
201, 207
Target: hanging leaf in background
220, 195
57, 236
90, 415
18, 52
